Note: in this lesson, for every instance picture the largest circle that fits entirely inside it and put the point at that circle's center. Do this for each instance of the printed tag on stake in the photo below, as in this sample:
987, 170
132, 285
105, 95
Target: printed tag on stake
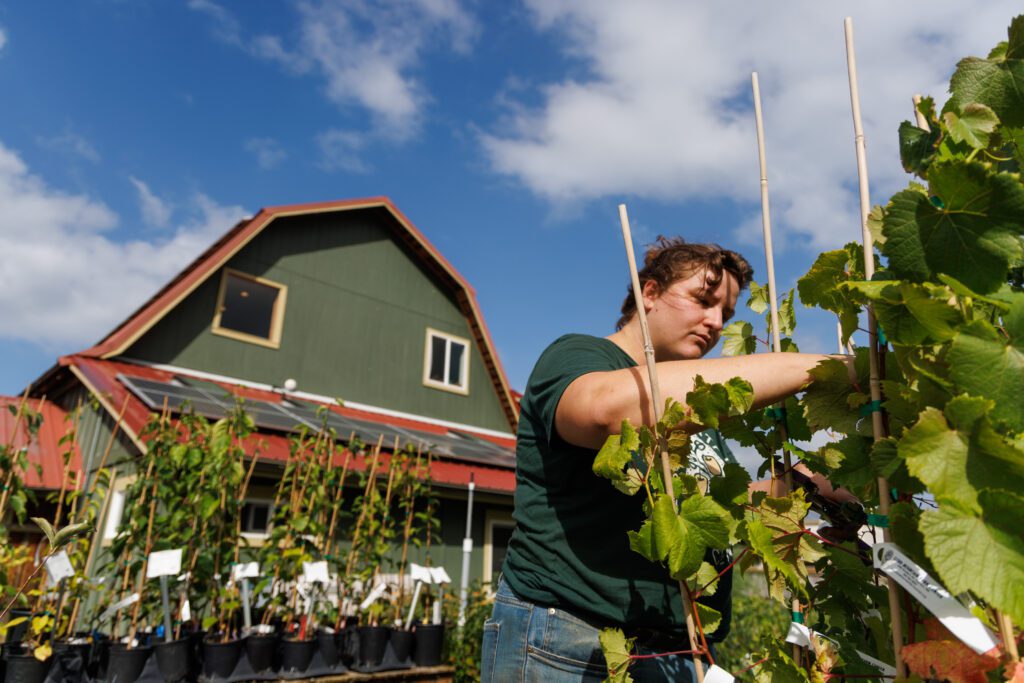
315, 572
120, 604
377, 591
930, 593
186, 611
245, 570
58, 567
164, 563
717, 674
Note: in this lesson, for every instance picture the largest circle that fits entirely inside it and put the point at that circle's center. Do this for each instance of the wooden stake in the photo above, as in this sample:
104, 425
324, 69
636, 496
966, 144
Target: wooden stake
1006, 631
666, 468
877, 425
769, 256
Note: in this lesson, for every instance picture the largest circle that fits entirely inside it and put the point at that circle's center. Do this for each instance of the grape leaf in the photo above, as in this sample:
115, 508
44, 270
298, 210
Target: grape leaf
738, 339
820, 286
758, 301
617, 648
918, 147
681, 538
616, 461
984, 363
731, 488
948, 659
787, 316
982, 554
779, 667
973, 236
997, 81
779, 538
710, 618
709, 403
706, 580
903, 528
974, 125
826, 401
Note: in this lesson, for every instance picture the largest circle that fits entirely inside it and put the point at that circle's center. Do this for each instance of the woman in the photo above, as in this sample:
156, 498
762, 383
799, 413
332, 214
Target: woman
569, 571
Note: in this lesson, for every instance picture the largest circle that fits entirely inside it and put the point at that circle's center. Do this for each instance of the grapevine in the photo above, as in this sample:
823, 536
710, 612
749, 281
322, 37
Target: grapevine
947, 294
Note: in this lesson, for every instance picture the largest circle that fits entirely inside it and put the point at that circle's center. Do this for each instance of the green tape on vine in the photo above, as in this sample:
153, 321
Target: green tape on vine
777, 414
936, 202
881, 336
871, 407
880, 521
798, 617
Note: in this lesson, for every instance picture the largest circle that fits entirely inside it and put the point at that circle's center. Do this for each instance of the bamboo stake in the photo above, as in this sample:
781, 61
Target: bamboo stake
410, 505
769, 255
877, 425
141, 580
1006, 631
666, 468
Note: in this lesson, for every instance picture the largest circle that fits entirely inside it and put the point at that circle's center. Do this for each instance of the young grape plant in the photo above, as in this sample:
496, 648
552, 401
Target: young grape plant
948, 295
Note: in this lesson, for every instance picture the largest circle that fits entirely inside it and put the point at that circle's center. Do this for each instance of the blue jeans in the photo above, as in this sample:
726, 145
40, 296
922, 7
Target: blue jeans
525, 643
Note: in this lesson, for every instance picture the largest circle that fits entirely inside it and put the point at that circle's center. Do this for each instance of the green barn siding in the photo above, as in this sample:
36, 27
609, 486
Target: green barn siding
357, 311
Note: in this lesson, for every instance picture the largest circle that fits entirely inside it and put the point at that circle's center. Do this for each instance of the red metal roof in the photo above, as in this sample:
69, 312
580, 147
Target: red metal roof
100, 376
44, 449
213, 258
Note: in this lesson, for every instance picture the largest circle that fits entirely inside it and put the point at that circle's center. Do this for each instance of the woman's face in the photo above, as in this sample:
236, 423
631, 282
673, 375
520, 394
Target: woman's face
686, 319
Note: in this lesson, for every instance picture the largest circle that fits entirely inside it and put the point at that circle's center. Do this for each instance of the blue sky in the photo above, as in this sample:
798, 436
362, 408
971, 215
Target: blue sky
132, 134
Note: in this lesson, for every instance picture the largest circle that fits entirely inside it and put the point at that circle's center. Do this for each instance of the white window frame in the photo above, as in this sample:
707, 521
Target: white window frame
492, 520
256, 538
463, 387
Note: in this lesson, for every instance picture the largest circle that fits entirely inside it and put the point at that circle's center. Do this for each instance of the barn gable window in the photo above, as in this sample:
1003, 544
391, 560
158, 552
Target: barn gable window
446, 362
250, 309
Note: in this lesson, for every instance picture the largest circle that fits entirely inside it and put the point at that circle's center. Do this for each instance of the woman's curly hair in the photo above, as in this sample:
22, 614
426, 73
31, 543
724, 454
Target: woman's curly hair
672, 258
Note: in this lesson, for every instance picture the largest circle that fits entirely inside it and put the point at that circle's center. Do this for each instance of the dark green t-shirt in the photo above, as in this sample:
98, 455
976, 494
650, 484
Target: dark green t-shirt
570, 549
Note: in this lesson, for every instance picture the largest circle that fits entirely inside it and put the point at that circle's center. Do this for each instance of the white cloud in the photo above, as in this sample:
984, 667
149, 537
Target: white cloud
155, 212
66, 281
268, 152
70, 142
3, 38
659, 102
366, 52
340, 151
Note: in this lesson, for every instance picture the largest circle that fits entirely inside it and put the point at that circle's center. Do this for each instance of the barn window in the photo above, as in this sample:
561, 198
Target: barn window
250, 309
446, 362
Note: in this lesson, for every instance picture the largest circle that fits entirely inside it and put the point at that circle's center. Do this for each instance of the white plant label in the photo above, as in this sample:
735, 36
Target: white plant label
186, 611
120, 604
798, 635
717, 674
419, 573
930, 593
377, 591
315, 572
467, 545
164, 563
440, 575
246, 570
58, 567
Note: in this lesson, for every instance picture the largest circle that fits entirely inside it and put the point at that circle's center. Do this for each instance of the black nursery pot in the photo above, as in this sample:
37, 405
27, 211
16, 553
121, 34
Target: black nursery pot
296, 655
174, 659
261, 649
25, 668
401, 643
373, 641
219, 659
429, 639
124, 665
330, 650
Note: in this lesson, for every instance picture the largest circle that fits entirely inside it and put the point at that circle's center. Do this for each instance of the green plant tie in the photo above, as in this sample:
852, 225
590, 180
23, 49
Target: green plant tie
936, 202
871, 407
776, 413
798, 617
881, 336
880, 521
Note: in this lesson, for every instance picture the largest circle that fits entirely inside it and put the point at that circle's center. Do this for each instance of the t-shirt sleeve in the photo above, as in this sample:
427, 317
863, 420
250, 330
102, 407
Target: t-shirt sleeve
564, 361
